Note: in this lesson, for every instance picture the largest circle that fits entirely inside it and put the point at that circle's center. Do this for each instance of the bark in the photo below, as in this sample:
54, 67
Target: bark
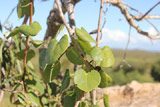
53, 22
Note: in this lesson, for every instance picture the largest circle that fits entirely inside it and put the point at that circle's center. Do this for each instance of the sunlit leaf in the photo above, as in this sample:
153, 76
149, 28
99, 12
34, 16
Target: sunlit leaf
108, 59
86, 46
27, 30
87, 81
37, 43
97, 55
84, 35
57, 49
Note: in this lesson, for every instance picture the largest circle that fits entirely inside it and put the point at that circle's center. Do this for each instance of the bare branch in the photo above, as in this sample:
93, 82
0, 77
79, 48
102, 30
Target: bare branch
137, 18
146, 17
149, 10
99, 23
130, 19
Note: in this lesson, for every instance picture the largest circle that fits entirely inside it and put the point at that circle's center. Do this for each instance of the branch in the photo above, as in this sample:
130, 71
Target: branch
130, 19
27, 47
99, 24
146, 17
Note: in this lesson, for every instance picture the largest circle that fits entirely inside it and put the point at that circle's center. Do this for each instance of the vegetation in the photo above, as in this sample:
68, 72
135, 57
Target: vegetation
53, 83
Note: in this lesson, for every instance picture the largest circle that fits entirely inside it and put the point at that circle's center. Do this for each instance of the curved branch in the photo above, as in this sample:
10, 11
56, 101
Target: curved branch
130, 19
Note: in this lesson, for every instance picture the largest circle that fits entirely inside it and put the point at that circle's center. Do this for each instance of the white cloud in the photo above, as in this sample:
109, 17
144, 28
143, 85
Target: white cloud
115, 36
118, 39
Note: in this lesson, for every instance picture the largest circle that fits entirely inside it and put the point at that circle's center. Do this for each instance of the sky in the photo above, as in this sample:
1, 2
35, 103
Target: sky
115, 31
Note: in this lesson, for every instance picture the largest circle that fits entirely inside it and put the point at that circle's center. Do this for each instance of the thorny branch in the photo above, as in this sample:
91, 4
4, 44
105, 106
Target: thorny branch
130, 18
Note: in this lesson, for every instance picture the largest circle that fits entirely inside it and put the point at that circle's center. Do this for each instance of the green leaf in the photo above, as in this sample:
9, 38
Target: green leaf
30, 30
106, 100
66, 80
30, 55
87, 81
33, 98
27, 30
0, 27
50, 72
37, 43
108, 59
56, 52
35, 85
74, 56
97, 55
84, 35
52, 88
42, 58
83, 104
21, 98
50, 51
17, 40
85, 46
59, 30
105, 79
69, 100
23, 8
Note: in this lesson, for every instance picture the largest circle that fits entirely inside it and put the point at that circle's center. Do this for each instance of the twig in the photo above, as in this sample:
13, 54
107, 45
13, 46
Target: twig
72, 36
99, 24
27, 47
79, 99
130, 20
126, 49
149, 10
137, 18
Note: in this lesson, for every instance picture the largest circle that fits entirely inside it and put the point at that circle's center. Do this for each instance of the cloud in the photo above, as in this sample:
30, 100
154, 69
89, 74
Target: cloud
118, 39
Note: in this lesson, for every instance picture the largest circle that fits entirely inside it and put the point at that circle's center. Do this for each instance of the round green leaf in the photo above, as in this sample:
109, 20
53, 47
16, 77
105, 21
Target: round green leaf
108, 59
86, 46
30, 30
87, 81
84, 35
105, 79
74, 56
97, 55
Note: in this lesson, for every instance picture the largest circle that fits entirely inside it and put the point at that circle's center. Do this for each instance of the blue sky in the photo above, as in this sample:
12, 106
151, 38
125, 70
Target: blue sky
115, 32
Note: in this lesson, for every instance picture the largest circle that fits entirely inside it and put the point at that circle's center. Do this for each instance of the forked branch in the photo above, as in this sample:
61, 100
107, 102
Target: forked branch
130, 18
